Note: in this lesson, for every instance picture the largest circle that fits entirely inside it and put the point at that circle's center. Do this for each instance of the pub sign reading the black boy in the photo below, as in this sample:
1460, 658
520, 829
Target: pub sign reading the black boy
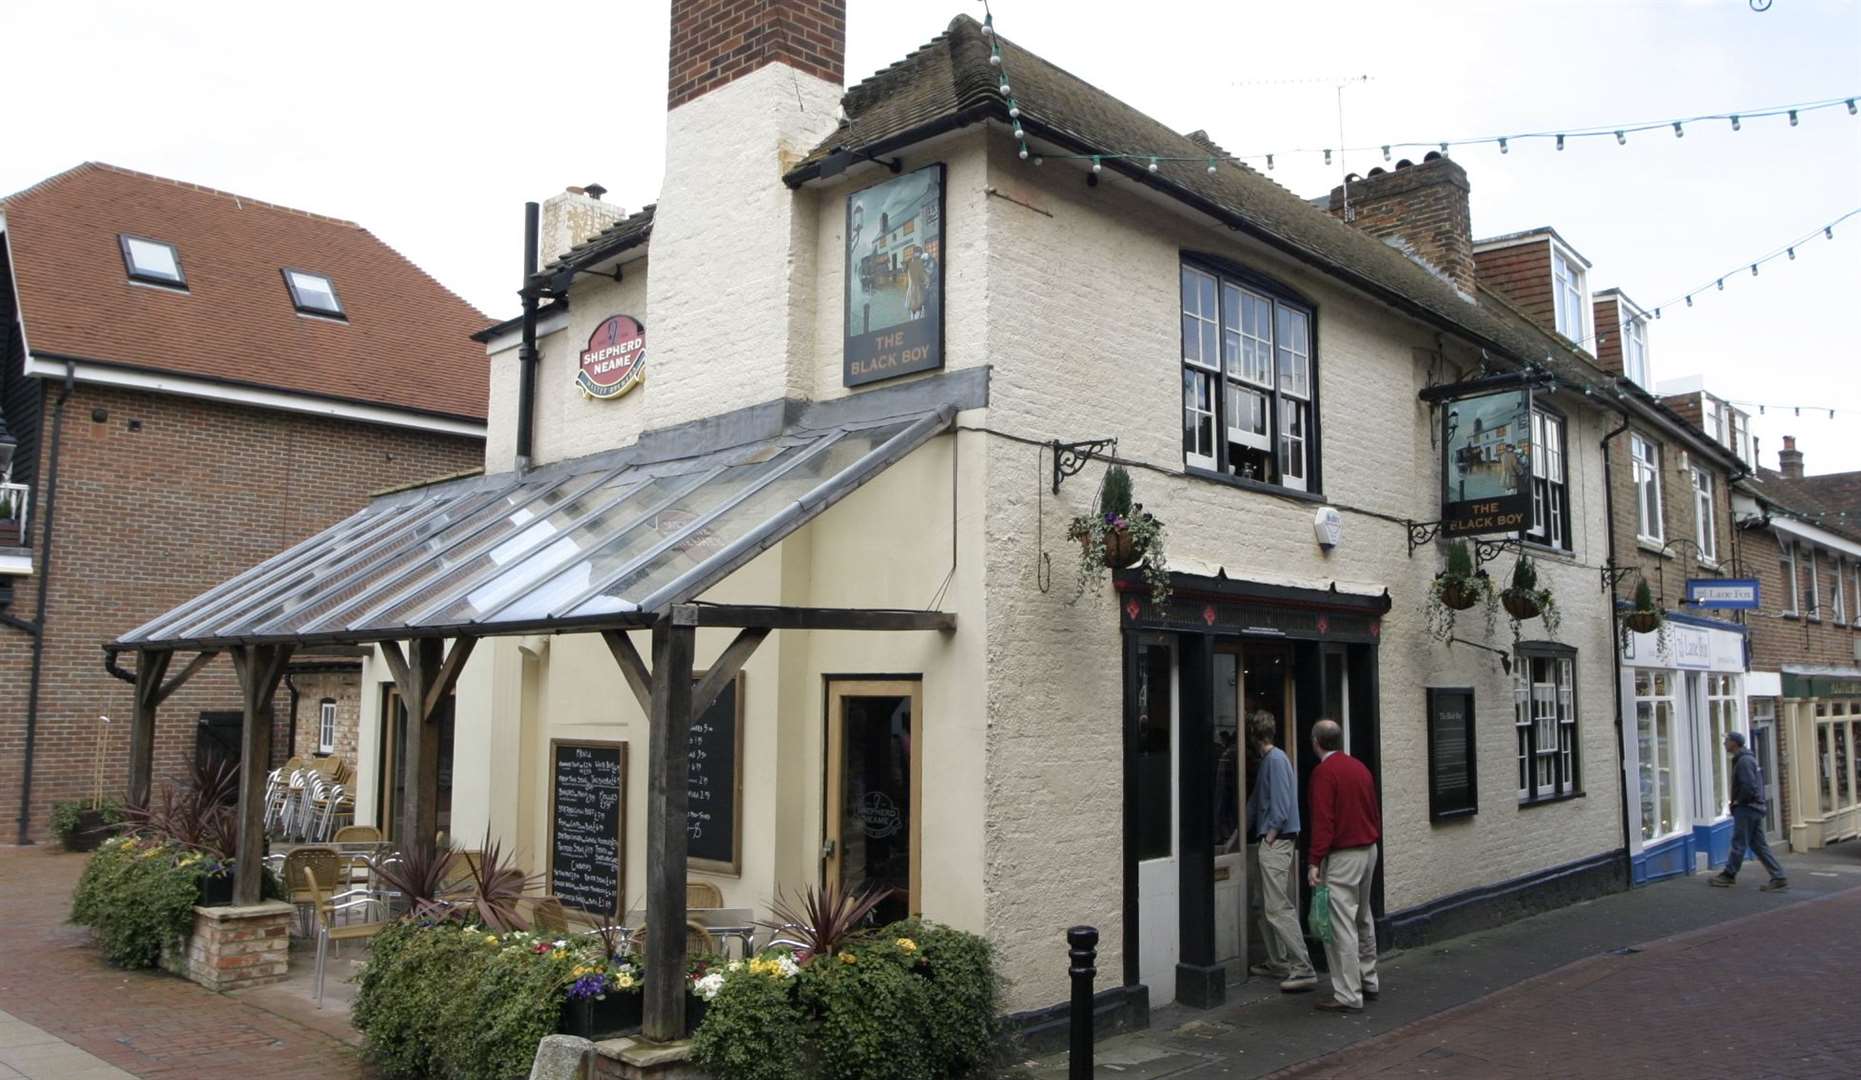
894, 277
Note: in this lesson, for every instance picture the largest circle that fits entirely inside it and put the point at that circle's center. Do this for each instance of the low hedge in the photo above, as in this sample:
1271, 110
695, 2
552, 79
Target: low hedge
137, 895
912, 1001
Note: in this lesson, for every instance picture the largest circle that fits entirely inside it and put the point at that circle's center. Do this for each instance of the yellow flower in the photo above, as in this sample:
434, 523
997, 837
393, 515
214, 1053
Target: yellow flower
625, 982
905, 944
848, 958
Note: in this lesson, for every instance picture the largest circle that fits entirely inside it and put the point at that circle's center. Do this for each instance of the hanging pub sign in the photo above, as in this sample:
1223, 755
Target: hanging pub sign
615, 360
1486, 463
1733, 593
894, 278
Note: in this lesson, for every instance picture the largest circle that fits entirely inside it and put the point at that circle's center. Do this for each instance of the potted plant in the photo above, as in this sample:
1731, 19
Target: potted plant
1456, 589
1644, 617
1117, 535
605, 998
1524, 600
82, 825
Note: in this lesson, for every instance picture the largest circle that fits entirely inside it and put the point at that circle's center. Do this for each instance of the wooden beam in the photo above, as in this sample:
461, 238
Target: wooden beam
796, 618
725, 670
420, 798
448, 675
397, 665
668, 751
151, 665
260, 667
193, 667
639, 680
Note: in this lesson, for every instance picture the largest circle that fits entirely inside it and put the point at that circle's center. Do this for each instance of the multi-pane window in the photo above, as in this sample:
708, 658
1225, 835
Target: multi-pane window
1721, 720
326, 727
1741, 438
1815, 586
1635, 349
1247, 382
1715, 421
1787, 560
1567, 281
1545, 721
153, 262
1550, 493
1654, 744
1838, 595
313, 294
1705, 527
1645, 460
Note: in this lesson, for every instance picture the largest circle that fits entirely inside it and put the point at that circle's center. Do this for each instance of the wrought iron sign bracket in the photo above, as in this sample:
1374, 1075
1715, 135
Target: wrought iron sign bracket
1069, 458
1485, 551
1613, 575
1420, 532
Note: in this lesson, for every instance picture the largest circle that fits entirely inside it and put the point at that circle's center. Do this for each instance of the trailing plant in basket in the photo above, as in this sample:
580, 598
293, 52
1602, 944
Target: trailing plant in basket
1456, 589
1118, 533
1523, 599
1644, 617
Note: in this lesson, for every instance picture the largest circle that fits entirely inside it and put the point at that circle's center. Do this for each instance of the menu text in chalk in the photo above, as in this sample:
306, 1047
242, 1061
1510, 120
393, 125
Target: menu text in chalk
716, 780
588, 824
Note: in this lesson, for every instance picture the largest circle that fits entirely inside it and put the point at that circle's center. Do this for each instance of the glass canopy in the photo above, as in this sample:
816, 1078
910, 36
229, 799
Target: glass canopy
590, 544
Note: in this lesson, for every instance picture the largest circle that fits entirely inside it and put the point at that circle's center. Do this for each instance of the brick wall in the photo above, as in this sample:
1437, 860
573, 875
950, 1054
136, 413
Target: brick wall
160, 500
344, 688
1522, 274
1606, 314
717, 41
1424, 207
1780, 636
1666, 573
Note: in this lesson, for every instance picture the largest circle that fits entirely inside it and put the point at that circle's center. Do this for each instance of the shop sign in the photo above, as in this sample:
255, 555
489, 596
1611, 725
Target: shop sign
894, 278
1741, 593
615, 360
1694, 648
1486, 464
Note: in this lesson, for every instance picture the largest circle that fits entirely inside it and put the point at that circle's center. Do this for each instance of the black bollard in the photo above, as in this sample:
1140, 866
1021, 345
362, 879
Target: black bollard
1082, 950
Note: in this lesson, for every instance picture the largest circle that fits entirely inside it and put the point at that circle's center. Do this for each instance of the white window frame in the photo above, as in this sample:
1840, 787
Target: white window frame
1570, 294
1268, 367
1787, 559
1550, 489
1545, 723
1839, 594
1645, 459
1815, 586
1649, 764
1722, 717
326, 726
1706, 522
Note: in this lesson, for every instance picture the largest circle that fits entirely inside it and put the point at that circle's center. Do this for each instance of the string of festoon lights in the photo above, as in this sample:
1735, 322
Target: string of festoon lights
1620, 132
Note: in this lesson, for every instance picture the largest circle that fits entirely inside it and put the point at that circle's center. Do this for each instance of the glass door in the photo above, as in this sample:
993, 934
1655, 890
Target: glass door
1764, 745
873, 793
1159, 938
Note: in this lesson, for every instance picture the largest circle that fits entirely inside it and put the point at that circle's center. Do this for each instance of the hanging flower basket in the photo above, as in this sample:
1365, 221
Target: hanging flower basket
1119, 535
1521, 604
1121, 548
1459, 594
1643, 622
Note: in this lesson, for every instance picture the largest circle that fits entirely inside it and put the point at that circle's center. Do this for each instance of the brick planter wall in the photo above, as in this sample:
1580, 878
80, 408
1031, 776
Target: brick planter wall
234, 947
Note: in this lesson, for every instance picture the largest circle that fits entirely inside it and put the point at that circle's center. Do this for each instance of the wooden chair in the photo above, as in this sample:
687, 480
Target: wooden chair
698, 941
703, 894
325, 862
357, 834
329, 931
464, 869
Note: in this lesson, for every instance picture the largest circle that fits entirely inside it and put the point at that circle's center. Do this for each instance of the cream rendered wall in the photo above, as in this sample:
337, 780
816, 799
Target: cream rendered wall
1083, 315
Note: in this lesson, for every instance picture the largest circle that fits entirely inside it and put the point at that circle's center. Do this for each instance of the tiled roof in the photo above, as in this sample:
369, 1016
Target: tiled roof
1837, 491
633, 229
406, 344
950, 81
1806, 500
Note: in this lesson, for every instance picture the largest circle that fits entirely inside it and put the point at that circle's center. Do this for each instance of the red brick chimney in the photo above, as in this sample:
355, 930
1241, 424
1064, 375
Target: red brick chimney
1424, 207
1790, 459
717, 41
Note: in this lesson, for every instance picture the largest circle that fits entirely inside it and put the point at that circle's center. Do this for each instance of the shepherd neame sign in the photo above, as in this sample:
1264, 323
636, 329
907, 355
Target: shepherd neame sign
615, 360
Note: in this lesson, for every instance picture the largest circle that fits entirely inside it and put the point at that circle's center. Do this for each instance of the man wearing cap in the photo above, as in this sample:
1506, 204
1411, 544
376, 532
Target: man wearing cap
1748, 819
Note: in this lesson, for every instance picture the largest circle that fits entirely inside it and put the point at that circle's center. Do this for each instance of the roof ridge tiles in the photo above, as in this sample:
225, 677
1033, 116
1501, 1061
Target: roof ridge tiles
184, 185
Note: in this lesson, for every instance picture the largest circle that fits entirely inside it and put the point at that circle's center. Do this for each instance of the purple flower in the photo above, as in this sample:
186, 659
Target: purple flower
588, 986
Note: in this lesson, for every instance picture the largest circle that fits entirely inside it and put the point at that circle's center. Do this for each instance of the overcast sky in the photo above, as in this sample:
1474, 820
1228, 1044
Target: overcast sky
431, 124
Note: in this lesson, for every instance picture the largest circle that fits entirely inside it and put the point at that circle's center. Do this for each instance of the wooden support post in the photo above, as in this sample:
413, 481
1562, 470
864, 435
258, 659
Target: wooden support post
424, 676
668, 748
260, 669
151, 666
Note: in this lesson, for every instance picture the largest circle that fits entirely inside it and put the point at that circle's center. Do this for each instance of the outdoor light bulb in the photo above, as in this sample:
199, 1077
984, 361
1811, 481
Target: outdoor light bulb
988, 26
1327, 157
1560, 142
1689, 301
1014, 112
1754, 269
1024, 153
1621, 139
1851, 106
1657, 313
995, 59
1004, 89
1153, 164
1385, 153
1678, 133
1038, 160
1019, 134
1211, 168
1443, 149
1734, 122
1721, 284
1828, 231
1792, 117
1502, 147
1096, 166
1211, 164
1792, 252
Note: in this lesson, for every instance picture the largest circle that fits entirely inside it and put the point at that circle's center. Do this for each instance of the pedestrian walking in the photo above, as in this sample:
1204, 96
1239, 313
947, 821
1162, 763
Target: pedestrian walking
1748, 806
1274, 813
1346, 827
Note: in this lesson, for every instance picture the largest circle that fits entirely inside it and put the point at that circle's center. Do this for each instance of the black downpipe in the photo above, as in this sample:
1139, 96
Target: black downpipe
1615, 653
290, 746
38, 618
526, 352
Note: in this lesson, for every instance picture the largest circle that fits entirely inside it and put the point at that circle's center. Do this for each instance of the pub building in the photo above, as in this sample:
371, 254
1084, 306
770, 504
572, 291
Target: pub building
789, 597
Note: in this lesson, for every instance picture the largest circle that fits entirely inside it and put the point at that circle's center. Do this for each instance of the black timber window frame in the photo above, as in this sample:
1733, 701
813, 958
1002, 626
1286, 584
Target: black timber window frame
1548, 727
1263, 338
307, 306
176, 281
1447, 804
1550, 479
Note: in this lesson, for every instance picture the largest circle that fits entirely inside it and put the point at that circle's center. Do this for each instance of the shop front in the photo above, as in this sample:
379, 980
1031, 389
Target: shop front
1195, 669
1685, 684
1821, 712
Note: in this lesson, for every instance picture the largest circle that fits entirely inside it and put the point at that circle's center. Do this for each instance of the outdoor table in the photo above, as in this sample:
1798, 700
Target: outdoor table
729, 923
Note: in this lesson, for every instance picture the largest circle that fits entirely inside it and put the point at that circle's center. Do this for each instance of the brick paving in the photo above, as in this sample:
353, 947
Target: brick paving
148, 1024
1768, 995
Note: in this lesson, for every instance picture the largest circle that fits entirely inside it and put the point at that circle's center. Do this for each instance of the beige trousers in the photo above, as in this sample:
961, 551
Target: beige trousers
1351, 952
1285, 942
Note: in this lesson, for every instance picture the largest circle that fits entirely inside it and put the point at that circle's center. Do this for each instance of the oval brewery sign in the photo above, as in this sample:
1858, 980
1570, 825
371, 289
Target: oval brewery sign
615, 360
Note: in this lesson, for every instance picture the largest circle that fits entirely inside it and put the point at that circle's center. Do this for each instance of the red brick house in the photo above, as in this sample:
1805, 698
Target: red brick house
194, 380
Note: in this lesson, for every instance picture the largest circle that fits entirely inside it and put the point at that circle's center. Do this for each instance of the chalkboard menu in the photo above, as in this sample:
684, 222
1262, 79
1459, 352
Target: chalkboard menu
587, 823
715, 774
1452, 791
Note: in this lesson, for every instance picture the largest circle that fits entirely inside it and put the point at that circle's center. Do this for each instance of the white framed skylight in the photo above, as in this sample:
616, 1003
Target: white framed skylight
313, 294
152, 262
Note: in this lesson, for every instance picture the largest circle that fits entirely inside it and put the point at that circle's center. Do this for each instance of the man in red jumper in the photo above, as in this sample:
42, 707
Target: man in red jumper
1346, 825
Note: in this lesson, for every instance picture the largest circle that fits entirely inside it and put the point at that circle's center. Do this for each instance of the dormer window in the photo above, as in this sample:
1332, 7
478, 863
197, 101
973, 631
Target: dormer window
152, 262
1571, 294
313, 294
1635, 346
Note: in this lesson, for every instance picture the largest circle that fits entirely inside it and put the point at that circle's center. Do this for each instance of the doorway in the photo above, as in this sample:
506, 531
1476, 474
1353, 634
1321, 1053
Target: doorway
1250, 678
1764, 745
1156, 803
393, 786
217, 739
874, 732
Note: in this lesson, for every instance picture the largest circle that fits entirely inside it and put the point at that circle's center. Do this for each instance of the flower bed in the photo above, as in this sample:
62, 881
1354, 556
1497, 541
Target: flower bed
138, 894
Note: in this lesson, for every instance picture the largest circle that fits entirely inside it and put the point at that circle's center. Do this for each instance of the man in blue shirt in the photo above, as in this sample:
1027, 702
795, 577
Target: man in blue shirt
1273, 813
